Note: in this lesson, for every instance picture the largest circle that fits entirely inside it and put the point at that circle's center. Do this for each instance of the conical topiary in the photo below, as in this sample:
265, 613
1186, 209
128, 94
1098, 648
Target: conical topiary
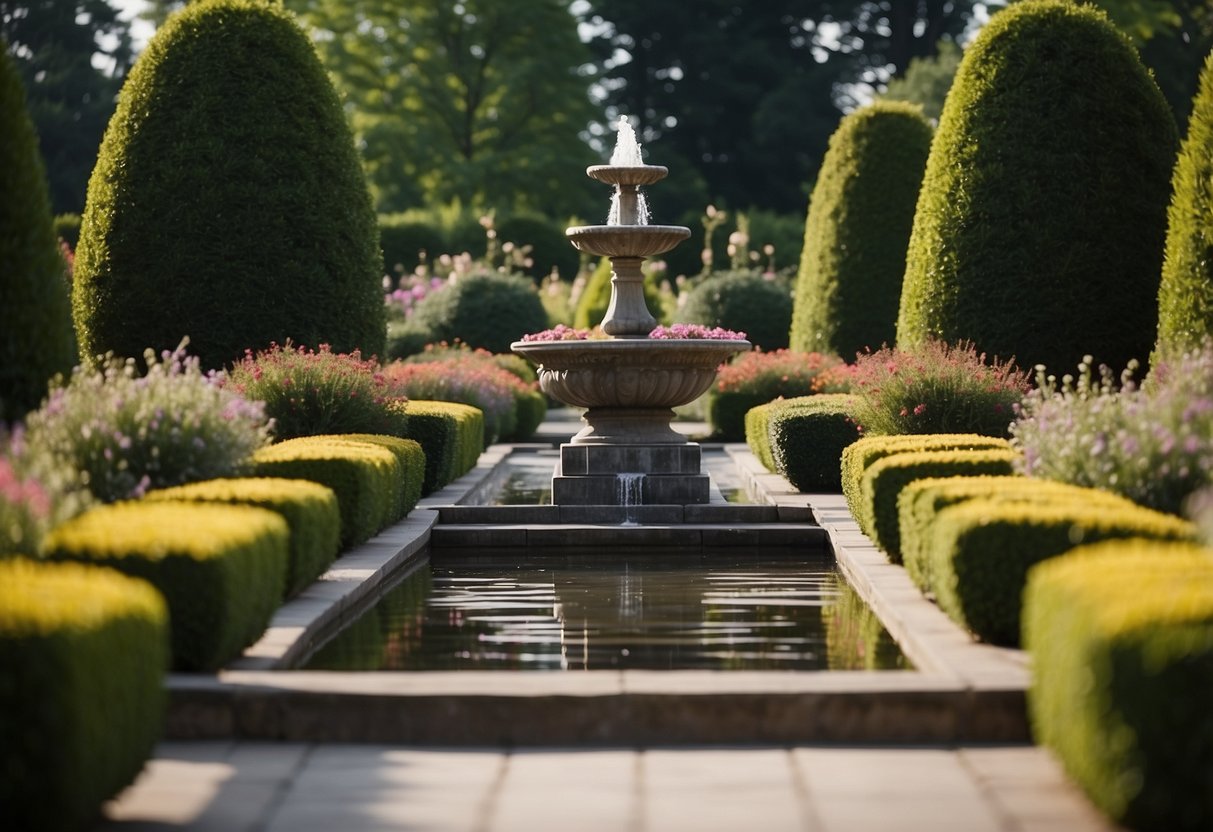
858, 227
1040, 225
35, 318
228, 203
1185, 297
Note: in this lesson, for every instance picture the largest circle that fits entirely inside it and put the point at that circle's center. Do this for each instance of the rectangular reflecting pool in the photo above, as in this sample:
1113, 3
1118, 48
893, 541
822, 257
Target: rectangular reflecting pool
773, 610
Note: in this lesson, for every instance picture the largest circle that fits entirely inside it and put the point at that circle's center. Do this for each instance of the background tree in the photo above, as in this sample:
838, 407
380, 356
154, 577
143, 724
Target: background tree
72, 56
927, 80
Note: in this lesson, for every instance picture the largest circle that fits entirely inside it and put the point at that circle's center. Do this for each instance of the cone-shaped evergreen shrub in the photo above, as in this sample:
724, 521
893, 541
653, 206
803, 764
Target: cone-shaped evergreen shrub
35, 319
1040, 224
858, 227
1185, 298
228, 203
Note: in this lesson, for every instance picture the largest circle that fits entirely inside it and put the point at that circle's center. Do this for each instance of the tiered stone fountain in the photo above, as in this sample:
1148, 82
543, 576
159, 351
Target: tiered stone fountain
628, 454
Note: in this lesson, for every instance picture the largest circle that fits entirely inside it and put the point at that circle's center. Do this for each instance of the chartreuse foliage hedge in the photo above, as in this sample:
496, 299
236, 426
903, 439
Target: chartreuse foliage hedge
309, 509
857, 230
807, 437
228, 202
221, 568
411, 458
920, 502
884, 479
983, 549
757, 422
1042, 214
1121, 639
35, 315
452, 436
84, 652
864, 452
1185, 296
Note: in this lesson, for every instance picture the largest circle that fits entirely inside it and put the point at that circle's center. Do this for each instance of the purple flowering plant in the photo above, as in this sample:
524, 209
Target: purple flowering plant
664, 333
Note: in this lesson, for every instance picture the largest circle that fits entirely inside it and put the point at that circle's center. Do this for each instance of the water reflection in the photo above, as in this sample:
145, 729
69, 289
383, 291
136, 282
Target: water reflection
580, 612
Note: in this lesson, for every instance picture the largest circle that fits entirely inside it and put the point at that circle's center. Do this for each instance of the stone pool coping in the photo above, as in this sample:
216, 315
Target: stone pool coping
960, 691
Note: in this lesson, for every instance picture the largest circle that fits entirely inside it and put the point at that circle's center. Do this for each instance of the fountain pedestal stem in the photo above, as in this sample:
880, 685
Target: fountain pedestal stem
627, 314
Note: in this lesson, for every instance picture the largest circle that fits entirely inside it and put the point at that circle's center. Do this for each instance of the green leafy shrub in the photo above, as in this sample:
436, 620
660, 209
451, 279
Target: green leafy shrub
309, 509
67, 228
885, 478
408, 242
228, 203
312, 392
406, 339
807, 437
595, 298
221, 569
857, 230
126, 433
982, 551
365, 478
920, 502
756, 304
858, 457
410, 456
1185, 295
759, 377
757, 438
452, 436
35, 315
1152, 444
935, 388
1121, 639
1022, 241
483, 310
84, 652
544, 242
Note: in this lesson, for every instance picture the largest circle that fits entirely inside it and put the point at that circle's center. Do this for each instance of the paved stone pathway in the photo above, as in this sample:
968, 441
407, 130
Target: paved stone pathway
299, 787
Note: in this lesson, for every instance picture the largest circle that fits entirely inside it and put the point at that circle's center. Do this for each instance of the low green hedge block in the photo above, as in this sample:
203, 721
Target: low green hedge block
1121, 639
807, 437
411, 458
83, 652
727, 410
886, 477
221, 568
365, 478
983, 549
309, 509
532, 407
757, 437
452, 436
920, 502
858, 456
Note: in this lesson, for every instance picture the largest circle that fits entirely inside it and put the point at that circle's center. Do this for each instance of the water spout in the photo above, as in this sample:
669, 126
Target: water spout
630, 493
628, 203
627, 149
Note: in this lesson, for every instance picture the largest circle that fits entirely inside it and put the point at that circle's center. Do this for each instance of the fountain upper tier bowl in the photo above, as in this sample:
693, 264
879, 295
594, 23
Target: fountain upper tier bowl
627, 174
626, 240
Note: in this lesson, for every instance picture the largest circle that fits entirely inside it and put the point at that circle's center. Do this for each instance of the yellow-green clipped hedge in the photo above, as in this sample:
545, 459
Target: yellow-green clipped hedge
366, 478
1121, 638
221, 568
920, 502
309, 509
807, 437
82, 658
983, 549
452, 436
884, 479
411, 457
757, 422
858, 456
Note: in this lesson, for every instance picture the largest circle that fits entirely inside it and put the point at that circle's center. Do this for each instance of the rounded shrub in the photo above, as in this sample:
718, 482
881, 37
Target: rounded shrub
1185, 296
228, 203
744, 302
483, 310
35, 318
858, 227
1040, 224
404, 239
549, 248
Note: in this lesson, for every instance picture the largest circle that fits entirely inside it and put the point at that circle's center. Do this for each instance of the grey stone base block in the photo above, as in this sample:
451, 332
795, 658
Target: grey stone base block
609, 490
578, 460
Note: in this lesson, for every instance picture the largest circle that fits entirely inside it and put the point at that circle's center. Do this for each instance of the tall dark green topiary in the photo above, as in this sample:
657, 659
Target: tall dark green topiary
1039, 229
1185, 297
858, 227
228, 203
35, 318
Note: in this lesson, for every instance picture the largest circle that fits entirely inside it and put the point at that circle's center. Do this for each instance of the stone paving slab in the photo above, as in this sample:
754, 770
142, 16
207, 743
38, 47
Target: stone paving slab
300, 787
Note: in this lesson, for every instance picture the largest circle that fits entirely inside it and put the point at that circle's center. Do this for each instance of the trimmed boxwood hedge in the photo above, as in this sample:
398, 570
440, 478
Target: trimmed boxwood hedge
228, 203
884, 479
221, 568
1040, 226
84, 652
983, 549
807, 437
309, 509
366, 479
857, 457
411, 457
1121, 639
757, 421
452, 436
857, 230
920, 502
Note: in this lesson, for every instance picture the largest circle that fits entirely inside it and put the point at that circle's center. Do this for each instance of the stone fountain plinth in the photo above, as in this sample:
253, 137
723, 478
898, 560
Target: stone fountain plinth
629, 383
